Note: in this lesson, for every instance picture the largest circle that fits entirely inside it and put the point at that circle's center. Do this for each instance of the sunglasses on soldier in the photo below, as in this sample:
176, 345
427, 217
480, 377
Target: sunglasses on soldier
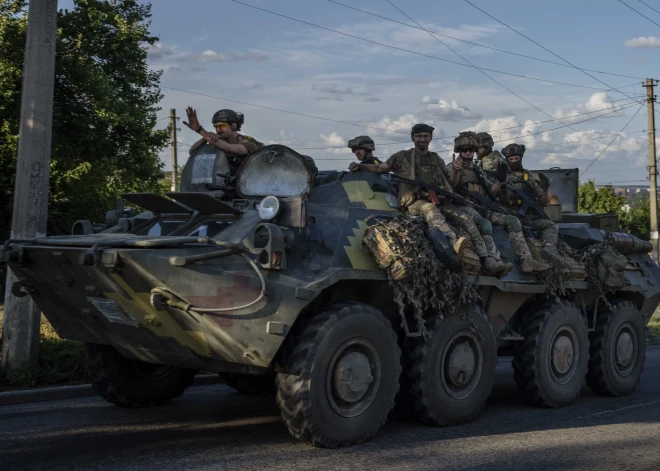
466, 149
219, 126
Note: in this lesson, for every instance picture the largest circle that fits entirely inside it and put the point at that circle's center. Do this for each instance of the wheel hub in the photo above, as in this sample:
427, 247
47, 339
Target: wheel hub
562, 354
460, 367
624, 349
353, 377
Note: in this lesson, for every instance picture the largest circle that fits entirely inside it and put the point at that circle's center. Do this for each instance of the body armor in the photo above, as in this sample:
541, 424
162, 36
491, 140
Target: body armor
470, 178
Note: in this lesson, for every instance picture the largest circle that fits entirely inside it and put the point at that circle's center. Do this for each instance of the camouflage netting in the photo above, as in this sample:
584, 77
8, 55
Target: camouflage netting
601, 264
564, 266
419, 280
605, 267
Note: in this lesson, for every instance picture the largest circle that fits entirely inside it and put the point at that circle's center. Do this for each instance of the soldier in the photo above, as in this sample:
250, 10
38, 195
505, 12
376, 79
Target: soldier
470, 178
420, 164
495, 172
363, 148
485, 149
524, 180
227, 123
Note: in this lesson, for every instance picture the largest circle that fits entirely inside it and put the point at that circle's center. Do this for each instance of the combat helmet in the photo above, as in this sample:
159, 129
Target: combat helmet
363, 141
229, 116
466, 139
485, 140
514, 149
495, 165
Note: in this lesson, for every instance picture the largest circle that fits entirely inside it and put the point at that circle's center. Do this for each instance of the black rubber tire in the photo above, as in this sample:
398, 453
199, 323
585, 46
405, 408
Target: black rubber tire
603, 376
251, 385
531, 361
302, 386
117, 380
427, 388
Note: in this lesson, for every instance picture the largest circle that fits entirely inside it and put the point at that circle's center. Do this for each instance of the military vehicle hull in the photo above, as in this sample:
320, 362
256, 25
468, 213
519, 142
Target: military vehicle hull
198, 283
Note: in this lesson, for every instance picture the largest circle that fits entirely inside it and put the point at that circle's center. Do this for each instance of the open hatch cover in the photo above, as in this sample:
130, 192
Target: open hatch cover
156, 203
275, 170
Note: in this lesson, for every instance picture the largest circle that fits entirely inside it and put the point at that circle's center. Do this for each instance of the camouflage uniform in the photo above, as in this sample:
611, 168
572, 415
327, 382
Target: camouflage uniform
250, 144
548, 229
483, 238
478, 181
429, 168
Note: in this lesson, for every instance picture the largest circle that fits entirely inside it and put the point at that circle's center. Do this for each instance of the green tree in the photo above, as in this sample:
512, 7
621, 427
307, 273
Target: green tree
104, 112
601, 200
638, 220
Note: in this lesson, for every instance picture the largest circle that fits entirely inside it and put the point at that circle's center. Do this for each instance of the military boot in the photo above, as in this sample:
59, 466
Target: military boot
493, 267
507, 269
529, 265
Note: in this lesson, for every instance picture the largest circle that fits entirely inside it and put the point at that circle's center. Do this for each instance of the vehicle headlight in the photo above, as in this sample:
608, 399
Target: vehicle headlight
269, 207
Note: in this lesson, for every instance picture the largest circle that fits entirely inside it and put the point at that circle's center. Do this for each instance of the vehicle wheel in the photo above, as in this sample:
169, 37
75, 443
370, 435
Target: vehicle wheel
131, 383
550, 363
450, 375
617, 351
340, 375
251, 385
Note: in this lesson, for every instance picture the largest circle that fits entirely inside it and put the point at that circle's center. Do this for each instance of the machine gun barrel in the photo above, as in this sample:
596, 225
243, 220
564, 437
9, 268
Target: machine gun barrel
628, 243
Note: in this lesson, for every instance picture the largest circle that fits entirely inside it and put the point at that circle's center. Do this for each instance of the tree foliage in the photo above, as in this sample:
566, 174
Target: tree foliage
104, 111
603, 200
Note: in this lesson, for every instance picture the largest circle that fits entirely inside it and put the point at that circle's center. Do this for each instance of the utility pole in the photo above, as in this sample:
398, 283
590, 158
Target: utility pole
653, 173
20, 343
173, 145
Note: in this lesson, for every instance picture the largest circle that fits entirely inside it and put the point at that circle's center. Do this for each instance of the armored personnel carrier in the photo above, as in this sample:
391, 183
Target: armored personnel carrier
265, 279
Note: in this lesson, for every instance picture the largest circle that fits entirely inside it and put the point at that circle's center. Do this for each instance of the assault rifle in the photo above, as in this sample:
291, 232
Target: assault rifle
433, 191
528, 201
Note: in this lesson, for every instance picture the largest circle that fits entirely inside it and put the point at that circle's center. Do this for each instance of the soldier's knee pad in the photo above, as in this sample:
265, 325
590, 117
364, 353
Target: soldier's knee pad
484, 226
512, 224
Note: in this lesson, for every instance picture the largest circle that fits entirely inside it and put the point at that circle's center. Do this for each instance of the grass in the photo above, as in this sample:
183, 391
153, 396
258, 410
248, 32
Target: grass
654, 326
60, 362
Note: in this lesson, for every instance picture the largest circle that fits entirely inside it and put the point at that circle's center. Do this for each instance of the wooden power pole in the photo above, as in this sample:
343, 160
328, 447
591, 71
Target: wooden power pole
173, 145
20, 337
653, 172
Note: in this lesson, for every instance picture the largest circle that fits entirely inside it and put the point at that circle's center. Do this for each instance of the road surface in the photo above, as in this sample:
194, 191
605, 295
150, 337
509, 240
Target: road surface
214, 428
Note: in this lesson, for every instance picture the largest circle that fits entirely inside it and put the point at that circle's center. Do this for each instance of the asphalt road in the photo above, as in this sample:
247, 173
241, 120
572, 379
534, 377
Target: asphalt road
212, 427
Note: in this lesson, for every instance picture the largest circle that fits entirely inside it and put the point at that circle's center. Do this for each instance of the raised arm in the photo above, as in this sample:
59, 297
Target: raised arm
382, 167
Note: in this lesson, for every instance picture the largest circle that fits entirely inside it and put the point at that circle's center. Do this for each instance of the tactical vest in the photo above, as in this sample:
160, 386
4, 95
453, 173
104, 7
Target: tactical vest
470, 179
517, 179
425, 168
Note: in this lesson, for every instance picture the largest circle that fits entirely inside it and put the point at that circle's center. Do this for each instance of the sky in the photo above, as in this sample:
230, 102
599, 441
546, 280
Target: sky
224, 54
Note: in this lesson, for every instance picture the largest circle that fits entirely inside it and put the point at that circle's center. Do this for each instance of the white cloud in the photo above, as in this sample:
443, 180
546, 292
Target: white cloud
335, 140
158, 51
393, 127
446, 110
508, 130
599, 103
650, 41
212, 56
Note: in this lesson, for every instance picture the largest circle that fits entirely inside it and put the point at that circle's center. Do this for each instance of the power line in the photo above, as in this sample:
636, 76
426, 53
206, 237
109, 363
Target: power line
373, 127
473, 43
545, 48
283, 111
491, 78
640, 1
639, 13
415, 52
608, 145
